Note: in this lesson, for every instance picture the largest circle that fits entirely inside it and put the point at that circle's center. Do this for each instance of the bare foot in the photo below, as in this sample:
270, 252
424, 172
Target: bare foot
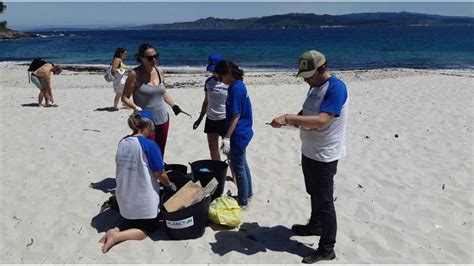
102, 239
110, 239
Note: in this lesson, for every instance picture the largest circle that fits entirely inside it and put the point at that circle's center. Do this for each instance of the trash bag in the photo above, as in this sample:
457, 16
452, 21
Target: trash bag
226, 211
108, 75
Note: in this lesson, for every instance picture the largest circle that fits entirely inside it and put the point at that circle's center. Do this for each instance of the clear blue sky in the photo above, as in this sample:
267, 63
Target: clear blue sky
26, 16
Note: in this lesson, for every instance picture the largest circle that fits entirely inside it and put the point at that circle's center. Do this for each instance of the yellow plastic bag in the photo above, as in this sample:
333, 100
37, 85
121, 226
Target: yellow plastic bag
225, 211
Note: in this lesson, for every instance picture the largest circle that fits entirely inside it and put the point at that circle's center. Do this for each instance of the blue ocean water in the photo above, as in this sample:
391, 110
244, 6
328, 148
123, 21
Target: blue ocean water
345, 48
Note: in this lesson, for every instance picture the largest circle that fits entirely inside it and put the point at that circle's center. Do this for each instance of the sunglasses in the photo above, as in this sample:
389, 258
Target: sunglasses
151, 57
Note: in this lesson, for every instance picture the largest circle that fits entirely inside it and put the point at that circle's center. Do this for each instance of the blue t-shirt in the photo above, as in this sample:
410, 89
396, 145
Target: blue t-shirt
152, 153
238, 103
336, 96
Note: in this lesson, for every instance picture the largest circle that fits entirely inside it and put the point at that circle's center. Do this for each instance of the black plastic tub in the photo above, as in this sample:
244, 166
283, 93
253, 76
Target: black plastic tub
177, 168
178, 179
188, 223
217, 169
177, 174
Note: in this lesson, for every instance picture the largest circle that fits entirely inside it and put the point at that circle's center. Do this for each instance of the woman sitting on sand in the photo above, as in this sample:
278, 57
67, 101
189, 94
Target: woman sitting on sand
239, 127
139, 168
147, 85
119, 70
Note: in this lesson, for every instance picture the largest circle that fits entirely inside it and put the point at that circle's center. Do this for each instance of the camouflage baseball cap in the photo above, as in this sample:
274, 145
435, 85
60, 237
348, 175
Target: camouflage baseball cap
309, 62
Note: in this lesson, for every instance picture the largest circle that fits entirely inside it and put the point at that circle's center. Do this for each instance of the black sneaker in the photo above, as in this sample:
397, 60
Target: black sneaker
306, 230
320, 255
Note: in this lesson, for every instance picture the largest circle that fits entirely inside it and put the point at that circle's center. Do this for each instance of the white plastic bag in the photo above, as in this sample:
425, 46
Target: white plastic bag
109, 76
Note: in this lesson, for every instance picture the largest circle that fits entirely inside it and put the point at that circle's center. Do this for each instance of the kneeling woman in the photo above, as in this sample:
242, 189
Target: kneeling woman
239, 127
139, 168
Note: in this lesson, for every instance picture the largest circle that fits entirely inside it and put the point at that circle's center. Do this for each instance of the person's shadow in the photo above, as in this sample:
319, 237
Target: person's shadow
30, 105
107, 185
106, 109
108, 216
37, 105
252, 238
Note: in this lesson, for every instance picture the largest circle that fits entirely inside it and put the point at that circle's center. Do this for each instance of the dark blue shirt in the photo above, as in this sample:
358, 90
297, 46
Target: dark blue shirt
238, 103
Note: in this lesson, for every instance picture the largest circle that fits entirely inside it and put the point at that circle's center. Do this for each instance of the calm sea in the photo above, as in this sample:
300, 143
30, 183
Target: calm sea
345, 48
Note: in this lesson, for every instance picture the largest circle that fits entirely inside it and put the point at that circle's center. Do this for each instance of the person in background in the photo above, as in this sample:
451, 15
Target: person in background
119, 70
42, 79
323, 142
147, 85
139, 173
213, 107
238, 127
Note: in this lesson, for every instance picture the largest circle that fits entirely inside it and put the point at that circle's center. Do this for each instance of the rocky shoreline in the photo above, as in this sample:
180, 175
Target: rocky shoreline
13, 34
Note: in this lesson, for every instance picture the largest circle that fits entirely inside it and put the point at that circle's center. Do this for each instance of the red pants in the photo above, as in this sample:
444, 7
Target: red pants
161, 134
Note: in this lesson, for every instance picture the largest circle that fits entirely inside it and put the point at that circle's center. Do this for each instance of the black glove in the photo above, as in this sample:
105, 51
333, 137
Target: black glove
176, 109
196, 124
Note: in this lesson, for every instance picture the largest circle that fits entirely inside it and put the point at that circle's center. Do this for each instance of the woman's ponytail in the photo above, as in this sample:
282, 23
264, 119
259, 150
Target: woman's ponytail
225, 67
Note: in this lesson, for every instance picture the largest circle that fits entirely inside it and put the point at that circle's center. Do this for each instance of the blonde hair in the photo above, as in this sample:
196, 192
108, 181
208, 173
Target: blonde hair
138, 123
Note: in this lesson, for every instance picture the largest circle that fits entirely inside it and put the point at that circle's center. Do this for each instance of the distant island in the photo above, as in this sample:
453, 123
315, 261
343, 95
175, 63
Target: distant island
6, 33
306, 20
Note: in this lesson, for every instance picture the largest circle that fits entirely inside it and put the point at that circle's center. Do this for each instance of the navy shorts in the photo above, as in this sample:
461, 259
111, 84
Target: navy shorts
215, 126
146, 225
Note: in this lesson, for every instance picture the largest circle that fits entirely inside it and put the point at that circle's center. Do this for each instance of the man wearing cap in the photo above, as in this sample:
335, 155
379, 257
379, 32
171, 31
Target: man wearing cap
322, 123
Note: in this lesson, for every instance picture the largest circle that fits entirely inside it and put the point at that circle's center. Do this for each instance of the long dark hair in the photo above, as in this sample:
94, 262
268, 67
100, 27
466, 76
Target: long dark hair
226, 66
141, 51
119, 52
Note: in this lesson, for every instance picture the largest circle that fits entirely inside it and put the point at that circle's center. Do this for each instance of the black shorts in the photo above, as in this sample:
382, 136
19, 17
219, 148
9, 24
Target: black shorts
215, 126
146, 225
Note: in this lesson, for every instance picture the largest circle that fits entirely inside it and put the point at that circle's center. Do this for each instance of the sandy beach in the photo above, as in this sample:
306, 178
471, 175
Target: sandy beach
404, 193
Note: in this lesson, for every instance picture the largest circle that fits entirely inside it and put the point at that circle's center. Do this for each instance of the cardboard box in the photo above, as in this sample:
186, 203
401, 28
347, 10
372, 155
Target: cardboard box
189, 194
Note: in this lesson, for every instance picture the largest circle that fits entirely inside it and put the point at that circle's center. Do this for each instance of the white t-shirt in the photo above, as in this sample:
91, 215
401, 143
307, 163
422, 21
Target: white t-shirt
216, 97
327, 144
137, 189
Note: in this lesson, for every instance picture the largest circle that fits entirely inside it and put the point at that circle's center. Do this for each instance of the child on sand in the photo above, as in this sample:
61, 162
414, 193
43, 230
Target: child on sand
139, 168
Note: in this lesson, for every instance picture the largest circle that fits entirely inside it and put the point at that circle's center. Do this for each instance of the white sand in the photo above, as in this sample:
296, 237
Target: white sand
391, 205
